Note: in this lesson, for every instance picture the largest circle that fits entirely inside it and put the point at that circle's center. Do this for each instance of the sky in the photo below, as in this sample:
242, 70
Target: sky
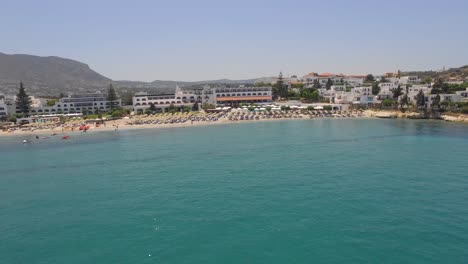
204, 40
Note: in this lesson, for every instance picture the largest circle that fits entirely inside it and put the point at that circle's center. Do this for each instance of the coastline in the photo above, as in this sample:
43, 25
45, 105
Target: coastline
122, 124
459, 118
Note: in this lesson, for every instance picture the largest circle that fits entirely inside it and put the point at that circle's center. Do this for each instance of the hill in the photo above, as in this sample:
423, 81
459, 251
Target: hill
51, 76
459, 73
47, 75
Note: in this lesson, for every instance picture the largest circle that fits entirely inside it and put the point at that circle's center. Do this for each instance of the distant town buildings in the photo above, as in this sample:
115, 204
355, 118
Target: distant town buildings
331, 87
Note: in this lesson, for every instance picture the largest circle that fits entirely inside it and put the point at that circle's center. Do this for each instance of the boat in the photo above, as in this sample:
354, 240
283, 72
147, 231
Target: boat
26, 141
66, 137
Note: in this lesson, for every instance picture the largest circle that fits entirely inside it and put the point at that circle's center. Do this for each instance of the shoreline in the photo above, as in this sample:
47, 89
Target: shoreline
458, 118
125, 127
122, 124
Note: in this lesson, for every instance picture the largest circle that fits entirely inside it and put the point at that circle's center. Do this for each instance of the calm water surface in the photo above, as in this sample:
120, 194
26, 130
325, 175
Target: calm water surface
314, 191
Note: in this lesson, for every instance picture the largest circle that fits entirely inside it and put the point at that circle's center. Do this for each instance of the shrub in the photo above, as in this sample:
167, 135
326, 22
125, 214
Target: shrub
12, 119
117, 113
464, 110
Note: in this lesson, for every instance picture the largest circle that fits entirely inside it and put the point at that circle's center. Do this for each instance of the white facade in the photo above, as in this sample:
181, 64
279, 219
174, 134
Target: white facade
409, 80
242, 94
7, 105
443, 97
214, 96
422, 87
354, 80
3, 108
142, 101
463, 95
387, 86
338, 88
78, 103
362, 95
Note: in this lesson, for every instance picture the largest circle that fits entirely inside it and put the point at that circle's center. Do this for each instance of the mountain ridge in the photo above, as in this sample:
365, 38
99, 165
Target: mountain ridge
53, 75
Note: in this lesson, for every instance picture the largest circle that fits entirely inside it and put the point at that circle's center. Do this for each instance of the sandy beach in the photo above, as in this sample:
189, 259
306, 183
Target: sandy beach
171, 121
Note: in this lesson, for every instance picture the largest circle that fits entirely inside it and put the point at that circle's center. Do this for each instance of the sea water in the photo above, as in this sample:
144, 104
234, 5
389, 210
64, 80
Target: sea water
311, 191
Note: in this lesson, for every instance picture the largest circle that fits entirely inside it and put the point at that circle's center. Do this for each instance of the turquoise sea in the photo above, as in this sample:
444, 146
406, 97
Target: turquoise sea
309, 191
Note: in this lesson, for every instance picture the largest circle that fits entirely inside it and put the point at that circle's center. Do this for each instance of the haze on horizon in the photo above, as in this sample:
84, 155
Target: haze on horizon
187, 41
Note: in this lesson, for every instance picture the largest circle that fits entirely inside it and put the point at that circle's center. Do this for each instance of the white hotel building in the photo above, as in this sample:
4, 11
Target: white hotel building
78, 103
214, 96
3, 108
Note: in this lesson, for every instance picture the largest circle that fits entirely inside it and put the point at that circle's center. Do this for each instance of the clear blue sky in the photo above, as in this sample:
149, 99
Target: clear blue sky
199, 40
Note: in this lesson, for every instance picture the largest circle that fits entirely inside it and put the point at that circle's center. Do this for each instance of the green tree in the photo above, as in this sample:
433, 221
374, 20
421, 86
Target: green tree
329, 84
111, 96
314, 96
153, 107
388, 102
427, 80
171, 108
51, 102
437, 86
445, 88
420, 100
206, 106
279, 89
436, 102
397, 92
23, 101
383, 80
317, 84
195, 107
375, 88
369, 78
404, 101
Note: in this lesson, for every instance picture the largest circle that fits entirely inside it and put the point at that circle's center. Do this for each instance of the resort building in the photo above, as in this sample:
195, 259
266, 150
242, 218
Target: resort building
409, 80
46, 118
463, 95
358, 95
421, 87
242, 94
216, 96
443, 98
161, 102
3, 108
7, 105
337, 79
78, 103
354, 80
387, 86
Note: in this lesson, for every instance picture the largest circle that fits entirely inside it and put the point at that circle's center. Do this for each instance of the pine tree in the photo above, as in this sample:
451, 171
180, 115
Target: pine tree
397, 92
420, 99
153, 107
375, 88
329, 84
436, 101
23, 101
111, 96
279, 89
